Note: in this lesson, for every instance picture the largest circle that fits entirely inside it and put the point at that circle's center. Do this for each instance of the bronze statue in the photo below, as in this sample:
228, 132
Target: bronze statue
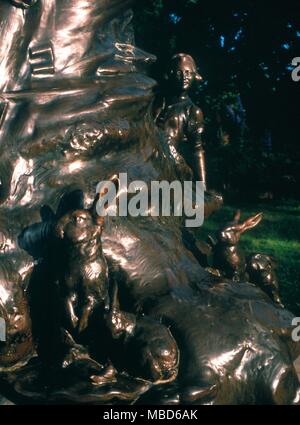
85, 282
230, 260
261, 271
182, 120
148, 345
75, 105
18, 347
228, 256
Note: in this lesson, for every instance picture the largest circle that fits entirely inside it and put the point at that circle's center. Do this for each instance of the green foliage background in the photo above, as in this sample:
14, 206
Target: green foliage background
260, 39
251, 63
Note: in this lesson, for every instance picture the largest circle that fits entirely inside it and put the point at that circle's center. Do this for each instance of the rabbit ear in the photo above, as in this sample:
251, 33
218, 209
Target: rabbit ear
251, 222
35, 238
237, 216
47, 213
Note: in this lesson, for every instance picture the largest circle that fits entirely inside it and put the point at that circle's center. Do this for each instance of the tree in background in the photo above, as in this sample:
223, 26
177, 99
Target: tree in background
244, 51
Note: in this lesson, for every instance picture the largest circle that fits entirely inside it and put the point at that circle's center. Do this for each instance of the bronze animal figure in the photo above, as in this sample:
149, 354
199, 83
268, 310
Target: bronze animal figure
228, 256
230, 260
84, 285
261, 271
67, 125
149, 349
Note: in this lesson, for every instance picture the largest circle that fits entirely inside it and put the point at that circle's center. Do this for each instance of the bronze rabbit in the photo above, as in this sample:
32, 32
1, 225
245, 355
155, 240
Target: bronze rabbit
230, 261
228, 257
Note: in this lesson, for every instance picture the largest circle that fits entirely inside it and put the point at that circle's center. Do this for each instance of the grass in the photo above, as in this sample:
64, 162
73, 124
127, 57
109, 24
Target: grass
278, 235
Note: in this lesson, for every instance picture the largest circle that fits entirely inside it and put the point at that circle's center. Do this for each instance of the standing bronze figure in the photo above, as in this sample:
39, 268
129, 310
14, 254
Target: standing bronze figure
76, 110
182, 120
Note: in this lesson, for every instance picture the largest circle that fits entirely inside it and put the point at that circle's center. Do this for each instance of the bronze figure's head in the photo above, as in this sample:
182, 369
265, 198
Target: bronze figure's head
183, 72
